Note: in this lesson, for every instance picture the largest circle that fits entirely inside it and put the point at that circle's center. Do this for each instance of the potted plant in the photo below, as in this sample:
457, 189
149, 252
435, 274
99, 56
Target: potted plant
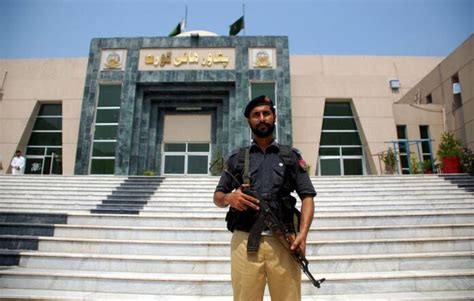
217, 165
415, 164
389, 160
449, 153
149, 173
467, 161
427, 168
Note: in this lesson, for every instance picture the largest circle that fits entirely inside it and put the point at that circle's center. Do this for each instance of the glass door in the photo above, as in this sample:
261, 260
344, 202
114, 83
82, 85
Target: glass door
186, 158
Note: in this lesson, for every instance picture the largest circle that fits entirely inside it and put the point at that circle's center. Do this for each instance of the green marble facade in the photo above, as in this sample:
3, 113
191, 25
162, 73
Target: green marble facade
146, 96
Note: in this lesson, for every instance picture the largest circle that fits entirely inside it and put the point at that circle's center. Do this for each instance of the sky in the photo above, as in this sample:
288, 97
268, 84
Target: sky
64, 28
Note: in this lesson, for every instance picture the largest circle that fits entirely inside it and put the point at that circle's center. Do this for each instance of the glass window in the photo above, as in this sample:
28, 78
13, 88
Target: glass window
429, 99
107, 116
55, 150
175, 147
339, 124
351, 138
198, 147
34, 166
425, 134
174, 164
267, 89
329, 151
105, 132
35, 151
337, 109
197, 164
353, 166
352, 151
339, 133
102, 166
330, 167
401, 131
50, 110
45, 138
103, 149
46, 123
109, 96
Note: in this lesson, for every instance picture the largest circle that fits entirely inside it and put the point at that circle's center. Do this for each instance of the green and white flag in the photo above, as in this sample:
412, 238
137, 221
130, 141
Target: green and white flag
237, 26
178, 29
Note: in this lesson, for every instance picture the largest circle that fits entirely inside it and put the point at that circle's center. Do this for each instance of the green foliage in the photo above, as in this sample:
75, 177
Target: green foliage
449, 146
217, 165
415, 164
389, 161
427, 166
149, 173
467, 160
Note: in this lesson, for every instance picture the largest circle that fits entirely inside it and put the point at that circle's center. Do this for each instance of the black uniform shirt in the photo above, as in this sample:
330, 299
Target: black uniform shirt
267, 172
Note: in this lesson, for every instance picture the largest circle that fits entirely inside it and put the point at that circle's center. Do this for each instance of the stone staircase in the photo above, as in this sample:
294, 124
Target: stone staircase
373, 237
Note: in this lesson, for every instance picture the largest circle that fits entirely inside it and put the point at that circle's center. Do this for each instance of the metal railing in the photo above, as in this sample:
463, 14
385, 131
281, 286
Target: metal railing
405, 144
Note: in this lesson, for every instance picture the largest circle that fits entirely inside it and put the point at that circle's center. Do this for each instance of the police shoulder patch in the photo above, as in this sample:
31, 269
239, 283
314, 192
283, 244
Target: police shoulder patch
302, 164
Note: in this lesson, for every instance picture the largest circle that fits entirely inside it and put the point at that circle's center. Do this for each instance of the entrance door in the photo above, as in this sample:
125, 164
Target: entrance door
186, 144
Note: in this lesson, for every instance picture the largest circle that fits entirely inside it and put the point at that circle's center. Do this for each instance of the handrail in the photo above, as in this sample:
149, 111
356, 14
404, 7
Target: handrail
406, 142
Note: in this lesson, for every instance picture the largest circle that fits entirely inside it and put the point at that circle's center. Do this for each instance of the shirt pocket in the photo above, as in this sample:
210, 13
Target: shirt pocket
278, 175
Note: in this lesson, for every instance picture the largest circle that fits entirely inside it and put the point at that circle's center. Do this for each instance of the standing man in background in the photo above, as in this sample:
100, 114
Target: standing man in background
18, 164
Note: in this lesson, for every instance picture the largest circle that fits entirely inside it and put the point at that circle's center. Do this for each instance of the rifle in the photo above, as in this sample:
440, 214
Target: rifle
282, 234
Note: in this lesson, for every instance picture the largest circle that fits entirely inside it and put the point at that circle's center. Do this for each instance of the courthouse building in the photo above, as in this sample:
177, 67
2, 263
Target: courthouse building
173, 105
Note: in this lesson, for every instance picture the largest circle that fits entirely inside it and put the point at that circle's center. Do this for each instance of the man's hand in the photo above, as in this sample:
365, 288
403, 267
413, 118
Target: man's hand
236, 199
298, 243
241, 201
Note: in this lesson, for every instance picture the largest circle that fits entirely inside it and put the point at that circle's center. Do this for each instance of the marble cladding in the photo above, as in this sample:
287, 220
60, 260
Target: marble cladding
139, 130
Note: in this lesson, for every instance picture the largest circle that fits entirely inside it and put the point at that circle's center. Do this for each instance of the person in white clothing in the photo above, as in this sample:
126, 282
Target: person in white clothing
18, 164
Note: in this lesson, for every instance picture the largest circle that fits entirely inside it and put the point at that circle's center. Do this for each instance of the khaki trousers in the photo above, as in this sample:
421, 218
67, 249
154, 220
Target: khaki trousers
272, 263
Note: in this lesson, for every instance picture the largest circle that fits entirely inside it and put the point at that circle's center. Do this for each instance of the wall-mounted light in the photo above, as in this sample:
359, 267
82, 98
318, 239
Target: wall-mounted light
394, 84
456, 88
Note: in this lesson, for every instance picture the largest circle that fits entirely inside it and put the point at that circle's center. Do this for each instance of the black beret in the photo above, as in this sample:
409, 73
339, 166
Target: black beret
259, 101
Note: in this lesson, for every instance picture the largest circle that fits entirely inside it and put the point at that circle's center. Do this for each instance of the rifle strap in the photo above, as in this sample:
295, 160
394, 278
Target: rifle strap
246, 171
254, 235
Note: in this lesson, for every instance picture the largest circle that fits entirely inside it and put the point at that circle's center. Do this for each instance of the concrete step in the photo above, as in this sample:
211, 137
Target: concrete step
221, 264
33, 294
153, 219
328, 186
218, 285
206, 204
219, 234
216, 248
162, 191
216, 220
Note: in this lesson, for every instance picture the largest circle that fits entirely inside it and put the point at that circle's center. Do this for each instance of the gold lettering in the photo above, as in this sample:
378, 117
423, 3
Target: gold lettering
221, 59
181, 59
208, 61
165, 59
194, 58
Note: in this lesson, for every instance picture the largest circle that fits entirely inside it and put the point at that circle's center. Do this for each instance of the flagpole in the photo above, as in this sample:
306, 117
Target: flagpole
243, 14
186, 18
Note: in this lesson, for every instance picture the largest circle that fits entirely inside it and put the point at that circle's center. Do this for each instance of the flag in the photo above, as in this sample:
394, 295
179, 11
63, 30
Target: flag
237, 26
178, 29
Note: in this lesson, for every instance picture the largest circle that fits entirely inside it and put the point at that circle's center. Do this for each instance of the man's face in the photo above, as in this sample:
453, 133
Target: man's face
262, 121
18, 154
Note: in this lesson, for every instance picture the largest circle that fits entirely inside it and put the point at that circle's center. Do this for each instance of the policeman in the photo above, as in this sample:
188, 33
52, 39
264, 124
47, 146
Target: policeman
274, 171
